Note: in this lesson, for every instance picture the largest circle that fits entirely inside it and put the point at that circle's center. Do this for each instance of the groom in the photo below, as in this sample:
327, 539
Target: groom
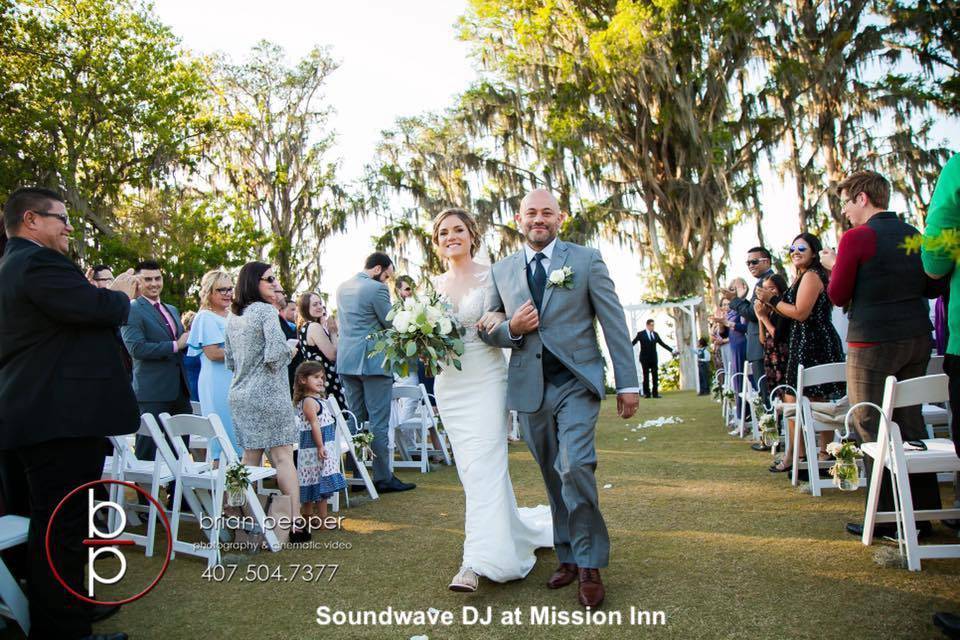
551, 291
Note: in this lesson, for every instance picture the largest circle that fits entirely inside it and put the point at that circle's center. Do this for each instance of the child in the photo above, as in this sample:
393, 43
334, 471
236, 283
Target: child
318, 463
703, 362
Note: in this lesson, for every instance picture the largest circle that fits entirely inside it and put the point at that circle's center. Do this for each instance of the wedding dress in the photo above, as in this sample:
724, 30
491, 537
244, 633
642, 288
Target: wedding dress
500, 538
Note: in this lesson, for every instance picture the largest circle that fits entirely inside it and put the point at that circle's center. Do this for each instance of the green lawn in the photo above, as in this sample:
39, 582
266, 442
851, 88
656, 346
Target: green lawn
700, 530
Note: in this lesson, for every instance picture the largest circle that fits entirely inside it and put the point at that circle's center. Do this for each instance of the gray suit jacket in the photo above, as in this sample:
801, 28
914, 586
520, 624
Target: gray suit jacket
566, 325
362, 307
157, 368
745, 308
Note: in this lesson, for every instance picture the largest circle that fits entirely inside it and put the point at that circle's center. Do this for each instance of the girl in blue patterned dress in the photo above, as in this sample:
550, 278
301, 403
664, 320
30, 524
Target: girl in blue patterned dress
318, 462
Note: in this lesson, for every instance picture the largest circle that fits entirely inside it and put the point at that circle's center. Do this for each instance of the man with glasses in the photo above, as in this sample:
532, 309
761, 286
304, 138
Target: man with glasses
100, 276
63, 389
758, 263
886, 291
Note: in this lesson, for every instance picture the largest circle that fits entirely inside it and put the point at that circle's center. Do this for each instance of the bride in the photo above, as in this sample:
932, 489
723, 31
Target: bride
500, 538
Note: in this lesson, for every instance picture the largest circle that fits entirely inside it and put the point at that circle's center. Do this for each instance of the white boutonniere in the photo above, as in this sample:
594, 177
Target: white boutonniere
561, 278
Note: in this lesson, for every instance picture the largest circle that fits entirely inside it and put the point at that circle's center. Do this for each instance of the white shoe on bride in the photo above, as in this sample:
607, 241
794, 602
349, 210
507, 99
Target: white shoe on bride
465, 581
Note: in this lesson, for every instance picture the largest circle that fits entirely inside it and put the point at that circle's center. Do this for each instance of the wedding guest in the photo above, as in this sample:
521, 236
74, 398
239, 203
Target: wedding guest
944, 215
889, 323
257, 353
363, 303
206, 342
317, 336
100, 276
719, 335
191, 362
405, 287
737, 340
155, 338
758, 263
289, 332
318, 463
63, 389
774, 334
703, 365
813, 340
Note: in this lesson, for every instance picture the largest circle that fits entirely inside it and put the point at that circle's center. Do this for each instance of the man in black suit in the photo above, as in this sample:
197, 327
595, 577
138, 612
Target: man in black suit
649, 339
63, 388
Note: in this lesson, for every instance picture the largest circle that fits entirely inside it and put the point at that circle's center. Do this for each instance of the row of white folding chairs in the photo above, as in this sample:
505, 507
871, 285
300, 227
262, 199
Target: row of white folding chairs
413, 429
808, 427
198, 483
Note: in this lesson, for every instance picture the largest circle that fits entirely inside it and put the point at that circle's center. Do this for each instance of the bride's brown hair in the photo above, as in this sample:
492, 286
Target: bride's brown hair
468, 221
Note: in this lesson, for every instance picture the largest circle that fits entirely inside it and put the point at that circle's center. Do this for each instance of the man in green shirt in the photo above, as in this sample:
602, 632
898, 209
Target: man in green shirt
944, 214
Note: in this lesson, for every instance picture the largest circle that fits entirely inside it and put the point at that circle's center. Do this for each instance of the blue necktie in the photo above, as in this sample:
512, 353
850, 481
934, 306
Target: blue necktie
538, 280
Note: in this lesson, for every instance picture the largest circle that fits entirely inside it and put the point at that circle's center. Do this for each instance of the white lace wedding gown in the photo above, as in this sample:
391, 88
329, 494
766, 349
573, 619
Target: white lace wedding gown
500, 538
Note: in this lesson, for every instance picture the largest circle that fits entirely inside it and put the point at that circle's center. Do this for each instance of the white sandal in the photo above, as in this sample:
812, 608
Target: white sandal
465, 581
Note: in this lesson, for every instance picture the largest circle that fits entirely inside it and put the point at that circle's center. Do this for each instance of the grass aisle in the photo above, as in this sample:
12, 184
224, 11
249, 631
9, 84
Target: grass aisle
700, 530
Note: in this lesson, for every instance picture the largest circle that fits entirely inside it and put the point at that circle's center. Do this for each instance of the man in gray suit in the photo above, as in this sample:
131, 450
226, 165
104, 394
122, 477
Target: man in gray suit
155, 339
758, 263
551, 291
363, 303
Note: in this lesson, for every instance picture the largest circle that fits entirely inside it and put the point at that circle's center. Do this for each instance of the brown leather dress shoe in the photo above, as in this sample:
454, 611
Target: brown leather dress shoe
590, 593
564, 575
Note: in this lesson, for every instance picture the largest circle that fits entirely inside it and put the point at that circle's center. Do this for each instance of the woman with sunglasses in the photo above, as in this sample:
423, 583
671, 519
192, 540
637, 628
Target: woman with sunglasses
258, 354
207, 335
813, 338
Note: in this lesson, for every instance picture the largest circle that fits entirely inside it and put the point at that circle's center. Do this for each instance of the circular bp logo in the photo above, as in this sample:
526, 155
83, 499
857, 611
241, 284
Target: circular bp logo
104, 538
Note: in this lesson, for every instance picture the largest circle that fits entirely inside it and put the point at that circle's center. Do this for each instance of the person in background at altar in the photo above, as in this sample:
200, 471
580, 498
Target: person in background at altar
206, 342
156, 341
191, 361
649, 339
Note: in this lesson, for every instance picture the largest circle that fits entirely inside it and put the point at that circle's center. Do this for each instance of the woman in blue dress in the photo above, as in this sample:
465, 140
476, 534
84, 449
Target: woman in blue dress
206, 340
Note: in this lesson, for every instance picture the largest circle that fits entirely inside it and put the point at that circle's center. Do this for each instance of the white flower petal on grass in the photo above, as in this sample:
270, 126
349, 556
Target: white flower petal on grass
608, 486
419, 638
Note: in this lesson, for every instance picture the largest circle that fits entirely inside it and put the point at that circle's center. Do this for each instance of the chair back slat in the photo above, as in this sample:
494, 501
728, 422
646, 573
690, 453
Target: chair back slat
821, 374
403, 391
916, 391
935, 365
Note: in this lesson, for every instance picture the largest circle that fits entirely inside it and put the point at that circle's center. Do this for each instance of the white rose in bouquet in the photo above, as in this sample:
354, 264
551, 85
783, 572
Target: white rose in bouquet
434, 315
446, 326
402, 320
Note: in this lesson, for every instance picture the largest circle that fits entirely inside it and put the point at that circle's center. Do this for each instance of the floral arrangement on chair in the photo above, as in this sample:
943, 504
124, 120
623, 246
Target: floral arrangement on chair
845, 472
361, 444
237, 480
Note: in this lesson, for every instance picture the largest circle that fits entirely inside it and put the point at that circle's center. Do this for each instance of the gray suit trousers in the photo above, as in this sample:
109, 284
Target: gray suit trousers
560, 435
369, 397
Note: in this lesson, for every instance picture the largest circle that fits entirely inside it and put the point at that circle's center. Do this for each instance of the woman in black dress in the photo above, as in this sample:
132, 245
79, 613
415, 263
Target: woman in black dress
318, 341
813, 339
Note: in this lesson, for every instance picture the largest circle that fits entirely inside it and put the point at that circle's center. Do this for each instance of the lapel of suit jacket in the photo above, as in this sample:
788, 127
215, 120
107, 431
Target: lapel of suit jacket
151, 311
557, 260
520, 265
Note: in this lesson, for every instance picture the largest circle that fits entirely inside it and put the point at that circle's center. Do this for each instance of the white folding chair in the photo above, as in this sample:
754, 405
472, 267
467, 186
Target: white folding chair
936, 417
345, 446
726, 403
202, 486
747, 396
807, 426
782, 411
888, 453
124, 465
412, 433
13, 602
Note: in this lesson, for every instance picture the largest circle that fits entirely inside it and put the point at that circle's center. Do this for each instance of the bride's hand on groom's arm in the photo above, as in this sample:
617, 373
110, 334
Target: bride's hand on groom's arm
525, 320
489, 321
627, 404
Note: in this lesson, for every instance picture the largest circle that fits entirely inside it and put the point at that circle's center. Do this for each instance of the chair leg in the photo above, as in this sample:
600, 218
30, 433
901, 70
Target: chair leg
175, 518
14, 598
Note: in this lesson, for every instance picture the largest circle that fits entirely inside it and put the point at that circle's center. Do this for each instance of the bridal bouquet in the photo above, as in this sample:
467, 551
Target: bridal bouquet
423, 328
